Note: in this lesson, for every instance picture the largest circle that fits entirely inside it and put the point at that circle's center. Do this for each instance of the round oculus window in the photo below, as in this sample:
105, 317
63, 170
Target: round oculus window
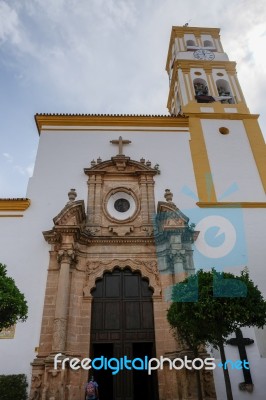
121, 206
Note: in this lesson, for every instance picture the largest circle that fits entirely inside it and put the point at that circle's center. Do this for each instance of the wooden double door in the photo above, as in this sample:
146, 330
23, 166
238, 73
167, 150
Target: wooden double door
123, 325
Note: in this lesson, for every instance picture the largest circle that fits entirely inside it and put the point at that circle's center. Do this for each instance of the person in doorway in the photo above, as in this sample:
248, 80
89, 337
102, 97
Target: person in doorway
91, 391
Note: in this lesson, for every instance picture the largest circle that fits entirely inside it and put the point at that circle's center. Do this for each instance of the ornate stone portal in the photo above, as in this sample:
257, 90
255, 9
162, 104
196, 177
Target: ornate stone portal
120, 229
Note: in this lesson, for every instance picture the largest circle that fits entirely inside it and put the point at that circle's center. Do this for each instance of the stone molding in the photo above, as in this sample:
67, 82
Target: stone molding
147, 268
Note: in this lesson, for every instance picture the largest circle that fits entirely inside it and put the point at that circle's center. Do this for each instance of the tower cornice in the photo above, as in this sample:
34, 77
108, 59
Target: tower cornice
179, 31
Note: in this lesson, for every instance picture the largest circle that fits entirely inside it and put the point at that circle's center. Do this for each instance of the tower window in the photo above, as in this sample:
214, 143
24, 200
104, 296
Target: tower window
200, 87
202, 91
224, 91
207, 43
190, 43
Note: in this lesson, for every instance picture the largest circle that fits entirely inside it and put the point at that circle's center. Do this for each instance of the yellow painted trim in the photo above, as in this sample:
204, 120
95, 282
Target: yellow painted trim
10, 215
109, 120
86, 129
229, 66
14, 204
231, 204
201, 164
187, 81
258, 147
224, 115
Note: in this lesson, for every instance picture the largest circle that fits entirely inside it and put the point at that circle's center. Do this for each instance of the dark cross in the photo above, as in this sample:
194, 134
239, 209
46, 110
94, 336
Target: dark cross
241, 342
120, 143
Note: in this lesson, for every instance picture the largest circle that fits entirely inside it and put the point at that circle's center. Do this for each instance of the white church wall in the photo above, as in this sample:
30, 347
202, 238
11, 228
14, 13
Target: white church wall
70, 152
25, 254
59, 166
61, 158
231, 161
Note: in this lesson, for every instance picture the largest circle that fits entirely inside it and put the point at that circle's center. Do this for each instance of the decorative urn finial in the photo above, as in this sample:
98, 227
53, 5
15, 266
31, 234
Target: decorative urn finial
72, 194
168, 195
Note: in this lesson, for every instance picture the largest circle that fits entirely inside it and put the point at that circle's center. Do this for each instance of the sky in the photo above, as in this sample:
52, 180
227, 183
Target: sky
106, 57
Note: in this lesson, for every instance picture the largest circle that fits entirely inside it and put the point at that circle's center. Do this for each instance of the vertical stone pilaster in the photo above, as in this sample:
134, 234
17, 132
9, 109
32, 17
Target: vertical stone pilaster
144, 200
98, 200
151, 202
65, 258
91, 198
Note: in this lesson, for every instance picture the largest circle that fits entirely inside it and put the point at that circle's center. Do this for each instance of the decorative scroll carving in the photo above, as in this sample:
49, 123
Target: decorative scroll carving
92, 231
55, 389
148, 269
121, 230
149, 230
208, 384
67, 256
36, 383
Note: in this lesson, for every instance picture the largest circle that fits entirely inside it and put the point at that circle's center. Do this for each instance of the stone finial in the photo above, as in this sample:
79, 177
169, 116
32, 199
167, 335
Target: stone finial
157, 168
142, 160
168, 195
148, 163
99, 160
93, 163
72, 194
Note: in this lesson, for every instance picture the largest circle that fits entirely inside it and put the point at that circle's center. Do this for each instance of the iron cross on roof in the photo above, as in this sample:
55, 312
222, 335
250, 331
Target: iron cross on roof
120, 143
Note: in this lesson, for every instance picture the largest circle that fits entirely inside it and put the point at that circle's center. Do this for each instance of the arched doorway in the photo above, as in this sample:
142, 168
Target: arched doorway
123, 325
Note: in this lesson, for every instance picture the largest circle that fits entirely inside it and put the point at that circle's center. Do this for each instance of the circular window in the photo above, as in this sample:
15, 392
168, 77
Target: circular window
223, 130
121, 205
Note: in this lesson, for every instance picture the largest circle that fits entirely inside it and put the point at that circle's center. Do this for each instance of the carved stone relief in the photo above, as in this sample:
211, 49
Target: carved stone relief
148, 269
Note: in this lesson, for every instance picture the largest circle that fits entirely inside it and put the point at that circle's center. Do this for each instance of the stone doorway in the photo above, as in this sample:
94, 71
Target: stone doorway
123, 325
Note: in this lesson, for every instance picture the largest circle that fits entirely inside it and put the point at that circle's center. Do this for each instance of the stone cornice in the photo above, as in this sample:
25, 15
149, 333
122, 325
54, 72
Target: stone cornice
108, 120
122, 162
16, 204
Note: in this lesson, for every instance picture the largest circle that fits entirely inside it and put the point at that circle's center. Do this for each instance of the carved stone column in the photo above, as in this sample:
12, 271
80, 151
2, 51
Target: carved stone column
65, 258
144, 199
151, 202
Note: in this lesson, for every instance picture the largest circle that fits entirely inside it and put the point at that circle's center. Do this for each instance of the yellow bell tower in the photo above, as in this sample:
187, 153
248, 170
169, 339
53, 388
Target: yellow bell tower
227, 146
201, 77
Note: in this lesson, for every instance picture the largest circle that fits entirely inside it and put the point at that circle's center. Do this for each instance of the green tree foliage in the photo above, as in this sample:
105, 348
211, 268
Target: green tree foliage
13, 306
209, 306
13, 387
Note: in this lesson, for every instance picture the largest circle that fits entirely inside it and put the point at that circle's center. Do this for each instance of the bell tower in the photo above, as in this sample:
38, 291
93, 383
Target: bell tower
226, 142
201, 77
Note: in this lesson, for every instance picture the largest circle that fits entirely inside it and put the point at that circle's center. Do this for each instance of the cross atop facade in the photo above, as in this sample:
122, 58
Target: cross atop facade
120, 143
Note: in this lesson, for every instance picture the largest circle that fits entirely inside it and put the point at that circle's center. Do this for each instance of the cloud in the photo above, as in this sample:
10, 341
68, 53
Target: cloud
108, 56
8, 157
22, 170
9, 27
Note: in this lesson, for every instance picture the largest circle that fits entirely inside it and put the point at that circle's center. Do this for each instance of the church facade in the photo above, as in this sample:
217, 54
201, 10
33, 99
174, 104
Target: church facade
106, 230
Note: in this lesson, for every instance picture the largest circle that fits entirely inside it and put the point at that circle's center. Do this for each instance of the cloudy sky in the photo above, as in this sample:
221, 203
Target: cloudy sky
106, 56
